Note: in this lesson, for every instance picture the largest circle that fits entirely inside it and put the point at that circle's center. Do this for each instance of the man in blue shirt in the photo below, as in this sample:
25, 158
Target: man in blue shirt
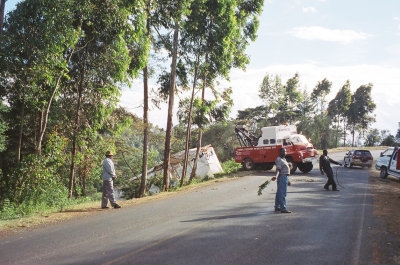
108, 178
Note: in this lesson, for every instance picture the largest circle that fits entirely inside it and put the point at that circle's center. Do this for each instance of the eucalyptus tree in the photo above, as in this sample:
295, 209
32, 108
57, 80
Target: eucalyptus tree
3, 128
148, 9
398, 136
271, 91
319, 93
2, 7
170, 18
220, 31
291, 98
39, 39
106, 53
359, 114
372, 138
338, 108
257, 115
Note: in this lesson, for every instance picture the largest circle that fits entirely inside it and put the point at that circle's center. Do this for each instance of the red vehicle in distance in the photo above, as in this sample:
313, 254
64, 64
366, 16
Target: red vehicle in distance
263, 151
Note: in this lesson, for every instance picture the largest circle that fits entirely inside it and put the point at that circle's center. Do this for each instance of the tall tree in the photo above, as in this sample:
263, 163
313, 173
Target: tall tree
320, 91
271, 91
104, 58
170, 15
373, 138
359, 114
38, 42
338, 108
225, 28
2, 8
292, 97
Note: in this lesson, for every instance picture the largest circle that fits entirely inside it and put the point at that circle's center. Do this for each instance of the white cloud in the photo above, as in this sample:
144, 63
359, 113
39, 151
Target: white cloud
344, 36
309, 9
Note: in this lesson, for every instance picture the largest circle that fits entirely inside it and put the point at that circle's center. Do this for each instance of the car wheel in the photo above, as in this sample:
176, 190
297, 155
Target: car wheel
384, 172
248, 164
344, 163
351, 164
267, 166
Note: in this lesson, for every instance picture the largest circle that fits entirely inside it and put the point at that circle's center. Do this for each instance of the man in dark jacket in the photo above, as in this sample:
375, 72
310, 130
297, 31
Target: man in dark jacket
325, 166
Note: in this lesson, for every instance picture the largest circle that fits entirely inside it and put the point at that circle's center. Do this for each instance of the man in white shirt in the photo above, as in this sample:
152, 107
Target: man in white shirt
108, 177
282, 177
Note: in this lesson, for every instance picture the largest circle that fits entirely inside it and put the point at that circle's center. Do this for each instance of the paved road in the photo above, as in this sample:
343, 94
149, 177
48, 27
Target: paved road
226, 223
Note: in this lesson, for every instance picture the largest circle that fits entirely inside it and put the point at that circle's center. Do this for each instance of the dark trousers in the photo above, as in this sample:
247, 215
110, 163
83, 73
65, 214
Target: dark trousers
330, 181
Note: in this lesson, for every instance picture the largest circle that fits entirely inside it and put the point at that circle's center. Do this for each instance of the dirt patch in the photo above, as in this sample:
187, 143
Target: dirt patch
386, 197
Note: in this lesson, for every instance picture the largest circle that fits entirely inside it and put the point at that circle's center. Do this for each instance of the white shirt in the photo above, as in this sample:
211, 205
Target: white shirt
108, 169
282, 165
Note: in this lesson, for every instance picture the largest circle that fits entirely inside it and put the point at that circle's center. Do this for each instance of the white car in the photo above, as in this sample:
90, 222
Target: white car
389, 163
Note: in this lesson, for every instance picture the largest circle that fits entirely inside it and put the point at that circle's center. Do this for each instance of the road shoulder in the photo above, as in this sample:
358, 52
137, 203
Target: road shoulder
386, 200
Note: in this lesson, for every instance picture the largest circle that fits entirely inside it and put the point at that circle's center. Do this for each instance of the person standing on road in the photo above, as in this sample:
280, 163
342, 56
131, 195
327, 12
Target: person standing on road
325, 166
282, 176
108, 179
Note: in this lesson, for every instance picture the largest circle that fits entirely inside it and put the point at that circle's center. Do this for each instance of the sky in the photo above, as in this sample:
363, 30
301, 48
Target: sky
355, 40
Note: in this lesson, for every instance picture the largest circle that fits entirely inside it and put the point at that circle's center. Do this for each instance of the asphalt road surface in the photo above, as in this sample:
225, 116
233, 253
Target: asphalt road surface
226, 223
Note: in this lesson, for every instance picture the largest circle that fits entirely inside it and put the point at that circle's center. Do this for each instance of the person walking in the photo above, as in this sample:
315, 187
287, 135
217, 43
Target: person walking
282, 176
325, 166
108, 176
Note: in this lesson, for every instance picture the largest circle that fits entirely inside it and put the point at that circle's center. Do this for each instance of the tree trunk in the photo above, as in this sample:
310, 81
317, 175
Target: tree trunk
344, 132
43, 123
2, 7
193, 174
189, 125
353, 133
74, 140
167, 150
21, 128
76, 130
337, 132
143, 180
145, 131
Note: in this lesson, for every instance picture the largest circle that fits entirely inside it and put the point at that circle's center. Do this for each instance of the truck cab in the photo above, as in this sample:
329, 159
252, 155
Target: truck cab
389, 163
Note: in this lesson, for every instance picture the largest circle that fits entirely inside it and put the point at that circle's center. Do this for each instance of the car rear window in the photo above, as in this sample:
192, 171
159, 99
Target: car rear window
362, 153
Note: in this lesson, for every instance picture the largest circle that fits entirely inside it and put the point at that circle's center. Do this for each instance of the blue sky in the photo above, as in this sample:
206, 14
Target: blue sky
335, 39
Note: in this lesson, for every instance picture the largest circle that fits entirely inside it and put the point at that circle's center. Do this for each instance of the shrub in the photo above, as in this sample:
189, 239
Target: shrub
229, 167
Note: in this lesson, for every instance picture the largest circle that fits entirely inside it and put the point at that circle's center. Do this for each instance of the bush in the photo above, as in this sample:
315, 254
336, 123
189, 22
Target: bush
229, 167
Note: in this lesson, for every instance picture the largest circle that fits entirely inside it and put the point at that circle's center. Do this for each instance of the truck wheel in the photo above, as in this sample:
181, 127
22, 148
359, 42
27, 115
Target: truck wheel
384, 172
292, 164
267, 166
248, 164
305, 167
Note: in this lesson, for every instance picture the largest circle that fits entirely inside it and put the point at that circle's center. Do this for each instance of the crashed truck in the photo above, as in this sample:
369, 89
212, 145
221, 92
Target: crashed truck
207, 165
262, 151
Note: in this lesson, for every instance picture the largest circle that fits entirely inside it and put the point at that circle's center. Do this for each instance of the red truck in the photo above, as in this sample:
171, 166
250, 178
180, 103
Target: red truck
263, 150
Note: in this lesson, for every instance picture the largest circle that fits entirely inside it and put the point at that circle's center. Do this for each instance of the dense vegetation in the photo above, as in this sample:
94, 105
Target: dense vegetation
63, 65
